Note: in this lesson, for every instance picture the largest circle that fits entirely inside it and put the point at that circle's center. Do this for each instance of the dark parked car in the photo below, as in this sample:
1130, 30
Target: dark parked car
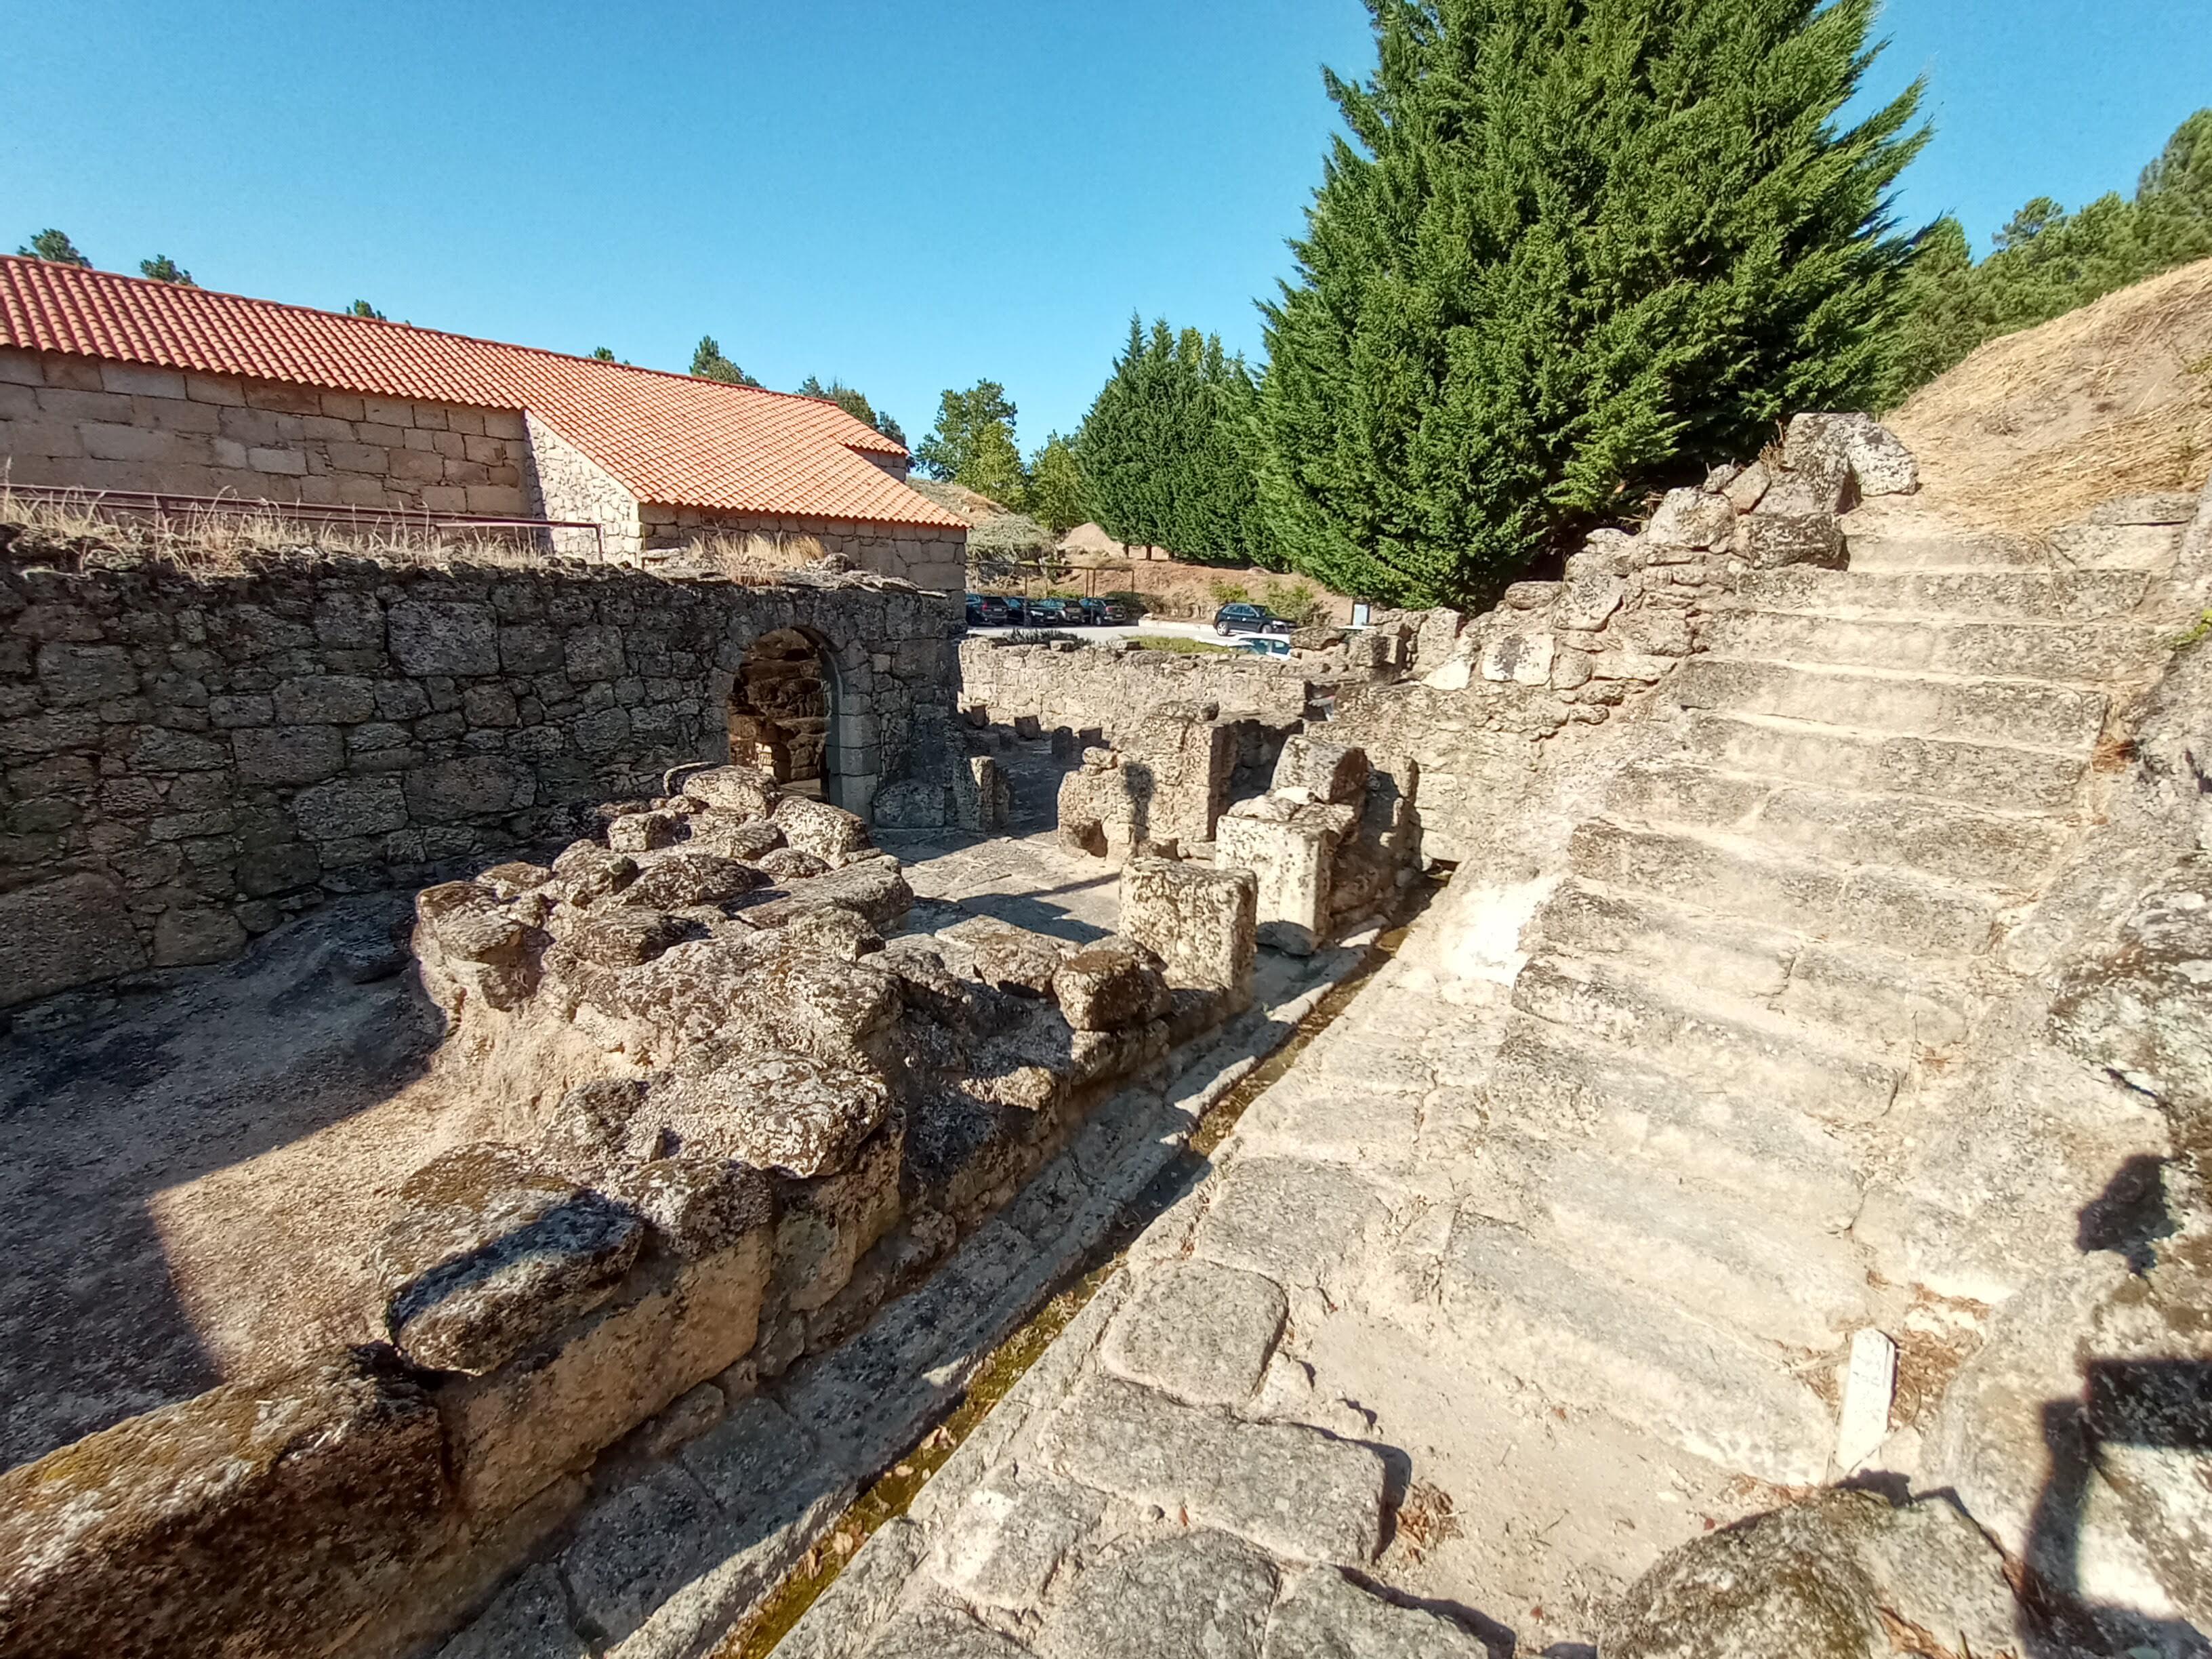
988, 610
1048, 613
1105, 613
974, 610
1249, 619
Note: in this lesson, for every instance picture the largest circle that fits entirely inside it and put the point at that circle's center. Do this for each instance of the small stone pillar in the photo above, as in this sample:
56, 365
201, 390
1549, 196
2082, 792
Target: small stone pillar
1290, 847
1199, 922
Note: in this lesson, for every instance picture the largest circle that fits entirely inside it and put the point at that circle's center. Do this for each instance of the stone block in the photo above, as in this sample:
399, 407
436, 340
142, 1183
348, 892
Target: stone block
326, 700
490, 1254
1522, 658
348, 621
738, 790
288, 756
1003, 1545
637, 1548
1200, 1332
71, 676
255, 1518
529, 1620
477, 785
1329, 1612
1587, 597
1691, 519
829, 832
1290, 850
1858, 445
347, 808
983, 797
1770, 541
1111, 985
1292, 1490
1308, 770
441, 636
73, 931
788, 1113
514, 1431
1201, 1593
1201, 923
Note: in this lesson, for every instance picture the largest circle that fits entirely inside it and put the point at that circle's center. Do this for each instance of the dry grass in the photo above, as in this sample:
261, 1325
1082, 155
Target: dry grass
221, 541
2035, 428
753, 559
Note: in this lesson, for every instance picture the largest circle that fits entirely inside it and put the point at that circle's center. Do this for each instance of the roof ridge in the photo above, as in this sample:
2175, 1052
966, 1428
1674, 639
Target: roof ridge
154, 283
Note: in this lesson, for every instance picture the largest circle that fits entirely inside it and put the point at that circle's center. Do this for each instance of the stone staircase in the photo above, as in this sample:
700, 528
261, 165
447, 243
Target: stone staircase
1776, 927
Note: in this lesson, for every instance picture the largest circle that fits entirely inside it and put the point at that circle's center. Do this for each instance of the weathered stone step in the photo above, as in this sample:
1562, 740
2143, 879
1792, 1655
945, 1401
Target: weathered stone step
2076, 652
1889, 1002
1743, 1266
1910, 550
1920, 705
1894, 908
1944, 839
1551, 1082
1976, 595
2002, 776
1592, 1342
1799, 1067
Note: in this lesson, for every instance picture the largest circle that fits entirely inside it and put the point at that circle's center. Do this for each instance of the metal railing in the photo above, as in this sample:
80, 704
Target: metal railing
161, 505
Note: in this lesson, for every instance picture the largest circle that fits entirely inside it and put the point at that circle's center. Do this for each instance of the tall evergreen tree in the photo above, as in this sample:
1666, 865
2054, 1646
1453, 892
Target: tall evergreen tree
56, 247
709, 364
853, 404
1167, 448
1060, 494
1569, 245
973, 444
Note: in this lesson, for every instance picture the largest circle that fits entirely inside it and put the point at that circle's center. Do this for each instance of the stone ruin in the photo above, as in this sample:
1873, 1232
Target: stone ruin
733, 1118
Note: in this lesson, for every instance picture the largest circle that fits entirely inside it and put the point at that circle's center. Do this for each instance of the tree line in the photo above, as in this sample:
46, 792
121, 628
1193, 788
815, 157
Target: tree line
1563, 255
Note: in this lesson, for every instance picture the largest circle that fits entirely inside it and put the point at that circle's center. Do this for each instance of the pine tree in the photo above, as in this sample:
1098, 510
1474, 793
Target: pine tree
362, 308
162, 269
1059, 496
2046, 262
1167, 449
603, 354
973, 444
853, 404
709, 364
55, 247
1569, 247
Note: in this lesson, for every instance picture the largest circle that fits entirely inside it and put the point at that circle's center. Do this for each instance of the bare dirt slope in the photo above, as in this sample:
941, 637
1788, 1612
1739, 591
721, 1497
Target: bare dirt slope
2036, 428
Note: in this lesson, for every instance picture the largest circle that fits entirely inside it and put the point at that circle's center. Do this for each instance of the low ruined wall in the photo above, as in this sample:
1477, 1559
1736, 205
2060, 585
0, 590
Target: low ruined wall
1115, 690
933, 559
79, 423
190, 759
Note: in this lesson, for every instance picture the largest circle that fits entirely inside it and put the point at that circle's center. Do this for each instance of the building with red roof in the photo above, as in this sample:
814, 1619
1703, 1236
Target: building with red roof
116, 383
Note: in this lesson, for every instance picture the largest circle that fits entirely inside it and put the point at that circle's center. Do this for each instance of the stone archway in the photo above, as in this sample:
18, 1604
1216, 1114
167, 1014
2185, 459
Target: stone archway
783, 711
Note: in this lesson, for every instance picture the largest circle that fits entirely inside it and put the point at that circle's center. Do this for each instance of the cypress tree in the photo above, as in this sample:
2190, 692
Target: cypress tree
1167, 448
1568, 246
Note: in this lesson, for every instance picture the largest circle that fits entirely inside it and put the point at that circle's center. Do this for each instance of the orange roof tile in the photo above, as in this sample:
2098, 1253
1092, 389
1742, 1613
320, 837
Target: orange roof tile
668, 438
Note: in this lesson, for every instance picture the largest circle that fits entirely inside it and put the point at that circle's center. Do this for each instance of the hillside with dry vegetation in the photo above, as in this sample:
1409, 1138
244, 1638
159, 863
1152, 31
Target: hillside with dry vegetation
2037, 427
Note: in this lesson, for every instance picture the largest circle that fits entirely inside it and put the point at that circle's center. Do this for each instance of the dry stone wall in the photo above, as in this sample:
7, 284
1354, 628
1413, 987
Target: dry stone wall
1490, 692
80, 422
1089, 687
190, 759
931, 559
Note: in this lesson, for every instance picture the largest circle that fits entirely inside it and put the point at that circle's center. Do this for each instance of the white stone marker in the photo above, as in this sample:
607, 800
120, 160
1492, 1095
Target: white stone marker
1870, 1381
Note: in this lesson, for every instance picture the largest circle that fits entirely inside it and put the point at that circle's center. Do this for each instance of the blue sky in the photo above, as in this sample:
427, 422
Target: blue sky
909, 196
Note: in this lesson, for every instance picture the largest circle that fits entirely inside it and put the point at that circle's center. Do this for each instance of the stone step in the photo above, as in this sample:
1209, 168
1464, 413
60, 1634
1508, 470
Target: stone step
1945, 839
2026, 711
2004, 776
1767, 1273
1896, 909
1550, 1082
1694, 1031
2076, 652
2048, 596
1892, 1003
1589, 1340
1908, 549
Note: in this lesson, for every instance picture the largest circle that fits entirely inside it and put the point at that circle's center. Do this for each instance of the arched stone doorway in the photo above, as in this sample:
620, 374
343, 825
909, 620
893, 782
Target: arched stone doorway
783, 708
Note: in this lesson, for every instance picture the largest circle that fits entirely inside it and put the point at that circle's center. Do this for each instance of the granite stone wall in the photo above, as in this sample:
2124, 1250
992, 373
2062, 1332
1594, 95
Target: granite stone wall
190, 759
80, 422
933, 559
1114, 691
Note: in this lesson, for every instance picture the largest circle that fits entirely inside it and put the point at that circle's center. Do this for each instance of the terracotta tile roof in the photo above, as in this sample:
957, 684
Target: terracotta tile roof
670, 439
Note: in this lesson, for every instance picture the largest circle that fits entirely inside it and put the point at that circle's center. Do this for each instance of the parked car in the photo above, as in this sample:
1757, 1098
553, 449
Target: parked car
1017, 611
1048, 613
1105, 613
974, 610
992, 610
1265, 644
1249, 619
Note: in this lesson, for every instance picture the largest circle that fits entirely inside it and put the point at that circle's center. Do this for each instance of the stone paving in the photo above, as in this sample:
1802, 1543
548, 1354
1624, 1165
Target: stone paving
1258, 1439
